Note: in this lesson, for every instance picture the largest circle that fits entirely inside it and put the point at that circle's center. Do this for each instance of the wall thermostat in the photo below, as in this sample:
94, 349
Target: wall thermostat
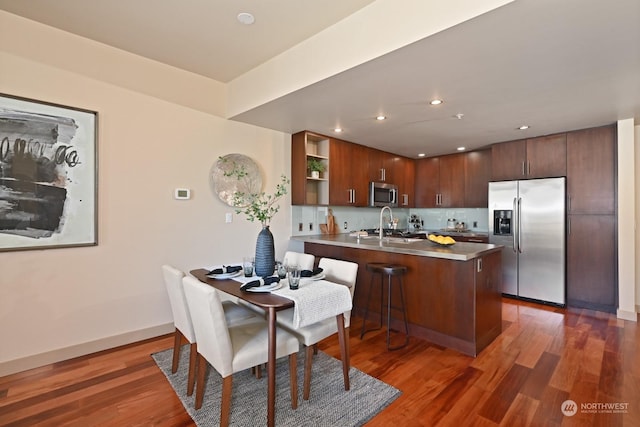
182, 194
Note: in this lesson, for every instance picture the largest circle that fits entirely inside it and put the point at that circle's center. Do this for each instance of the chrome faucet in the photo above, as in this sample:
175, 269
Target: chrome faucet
390, 219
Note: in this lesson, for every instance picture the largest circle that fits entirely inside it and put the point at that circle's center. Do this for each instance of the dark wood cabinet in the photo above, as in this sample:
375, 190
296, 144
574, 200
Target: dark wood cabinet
592, 262
591, 222
427, 182
508, 159
452, 181
404, 170
591, 171
441, 182
380, 166
547, 156
348, 183
477, 173
542, 157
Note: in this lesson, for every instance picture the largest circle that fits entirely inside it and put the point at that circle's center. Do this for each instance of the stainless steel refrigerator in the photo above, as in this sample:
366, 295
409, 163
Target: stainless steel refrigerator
528, 218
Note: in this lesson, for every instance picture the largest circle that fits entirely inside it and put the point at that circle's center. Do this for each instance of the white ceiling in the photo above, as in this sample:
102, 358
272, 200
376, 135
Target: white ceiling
554, 65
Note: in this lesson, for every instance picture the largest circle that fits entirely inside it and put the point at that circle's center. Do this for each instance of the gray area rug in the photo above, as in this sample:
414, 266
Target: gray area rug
329, 404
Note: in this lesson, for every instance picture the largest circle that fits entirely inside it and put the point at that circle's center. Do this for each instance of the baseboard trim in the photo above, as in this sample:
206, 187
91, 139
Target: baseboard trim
37, 360
627, 315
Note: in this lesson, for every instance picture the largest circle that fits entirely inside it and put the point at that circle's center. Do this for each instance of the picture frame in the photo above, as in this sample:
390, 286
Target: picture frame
48, 175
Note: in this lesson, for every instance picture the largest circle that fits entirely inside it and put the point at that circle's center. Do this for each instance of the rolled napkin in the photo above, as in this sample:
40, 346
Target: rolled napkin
260, 282
309, 273
226, 269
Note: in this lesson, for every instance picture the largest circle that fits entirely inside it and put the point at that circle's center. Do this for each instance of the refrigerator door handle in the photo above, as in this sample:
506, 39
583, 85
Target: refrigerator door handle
519, 224
514, 232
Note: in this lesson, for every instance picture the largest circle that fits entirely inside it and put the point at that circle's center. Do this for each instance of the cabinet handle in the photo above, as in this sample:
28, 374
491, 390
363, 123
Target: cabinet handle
354, 195
475, 240
405, 199
528, 168
568, 203
568, 226
523, 169
479, 265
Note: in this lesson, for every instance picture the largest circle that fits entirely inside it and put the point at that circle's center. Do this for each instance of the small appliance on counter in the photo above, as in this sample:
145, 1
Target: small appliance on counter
415, 223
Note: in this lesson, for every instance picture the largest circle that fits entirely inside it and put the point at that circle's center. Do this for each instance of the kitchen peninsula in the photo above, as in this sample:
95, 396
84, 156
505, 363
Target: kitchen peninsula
452, 293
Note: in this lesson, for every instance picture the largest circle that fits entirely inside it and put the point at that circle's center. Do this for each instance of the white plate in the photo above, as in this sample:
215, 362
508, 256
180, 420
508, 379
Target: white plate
268, 288
223, 276
312, 278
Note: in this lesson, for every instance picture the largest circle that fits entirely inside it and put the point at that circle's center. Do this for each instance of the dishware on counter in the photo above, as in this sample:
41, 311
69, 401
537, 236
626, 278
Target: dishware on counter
247, 266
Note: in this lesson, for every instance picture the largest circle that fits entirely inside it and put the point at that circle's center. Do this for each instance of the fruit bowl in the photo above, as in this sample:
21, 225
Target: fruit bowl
441, 240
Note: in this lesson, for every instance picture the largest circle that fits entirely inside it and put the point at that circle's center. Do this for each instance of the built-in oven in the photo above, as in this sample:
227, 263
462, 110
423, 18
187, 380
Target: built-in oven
383, 194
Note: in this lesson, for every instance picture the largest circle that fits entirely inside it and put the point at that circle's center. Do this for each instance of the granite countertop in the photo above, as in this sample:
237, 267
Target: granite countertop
461, 251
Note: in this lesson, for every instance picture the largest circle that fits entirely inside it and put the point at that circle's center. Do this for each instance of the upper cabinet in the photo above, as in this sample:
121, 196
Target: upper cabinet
404, 171
477, 173
349, 182
453, 181
382, 166
306, 189
439, 182
349, 168
591, 171
541, 157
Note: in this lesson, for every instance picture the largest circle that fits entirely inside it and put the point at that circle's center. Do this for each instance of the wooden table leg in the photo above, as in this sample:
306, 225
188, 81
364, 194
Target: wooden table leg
271, 370
344, 350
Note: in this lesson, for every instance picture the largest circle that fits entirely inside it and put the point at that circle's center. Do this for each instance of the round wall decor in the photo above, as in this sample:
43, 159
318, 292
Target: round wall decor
235, 173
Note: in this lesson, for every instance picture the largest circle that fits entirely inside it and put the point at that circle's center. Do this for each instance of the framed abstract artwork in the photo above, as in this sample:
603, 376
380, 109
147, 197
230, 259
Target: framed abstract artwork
48, 175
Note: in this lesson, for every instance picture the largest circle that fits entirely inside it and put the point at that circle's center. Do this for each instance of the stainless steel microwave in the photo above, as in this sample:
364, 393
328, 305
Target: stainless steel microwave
383, 194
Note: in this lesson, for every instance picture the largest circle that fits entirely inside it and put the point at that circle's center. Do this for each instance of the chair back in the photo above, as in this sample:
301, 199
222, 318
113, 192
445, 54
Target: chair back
209, 324
342, 272
304, 261
181, 317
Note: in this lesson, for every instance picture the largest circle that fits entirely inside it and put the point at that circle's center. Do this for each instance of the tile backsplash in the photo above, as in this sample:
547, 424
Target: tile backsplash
306, 220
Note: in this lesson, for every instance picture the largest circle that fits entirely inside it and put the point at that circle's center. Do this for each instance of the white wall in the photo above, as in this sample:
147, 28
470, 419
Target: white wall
58, 303
627, 286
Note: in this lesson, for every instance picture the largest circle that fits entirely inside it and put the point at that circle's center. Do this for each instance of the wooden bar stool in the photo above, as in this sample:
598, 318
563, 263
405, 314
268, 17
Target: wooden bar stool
391, 271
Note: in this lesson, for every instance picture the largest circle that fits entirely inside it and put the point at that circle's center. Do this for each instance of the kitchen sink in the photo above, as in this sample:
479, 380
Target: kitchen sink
388, 239
401, 239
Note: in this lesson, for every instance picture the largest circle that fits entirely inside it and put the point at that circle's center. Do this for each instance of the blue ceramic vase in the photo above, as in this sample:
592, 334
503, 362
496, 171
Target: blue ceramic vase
265, 253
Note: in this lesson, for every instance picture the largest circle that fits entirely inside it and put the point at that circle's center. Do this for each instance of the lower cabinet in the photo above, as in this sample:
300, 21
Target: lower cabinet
592, 262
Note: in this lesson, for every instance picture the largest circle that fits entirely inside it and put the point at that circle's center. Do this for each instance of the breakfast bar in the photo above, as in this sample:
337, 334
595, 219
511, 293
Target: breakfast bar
453, 293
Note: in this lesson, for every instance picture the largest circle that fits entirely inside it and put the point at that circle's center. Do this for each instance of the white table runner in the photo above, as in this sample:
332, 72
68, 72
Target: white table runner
316, 300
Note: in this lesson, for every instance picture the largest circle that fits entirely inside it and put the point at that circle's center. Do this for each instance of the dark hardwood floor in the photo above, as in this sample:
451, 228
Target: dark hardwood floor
543, 357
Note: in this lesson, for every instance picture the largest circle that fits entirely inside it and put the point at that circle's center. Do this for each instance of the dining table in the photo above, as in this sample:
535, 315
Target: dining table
271, 304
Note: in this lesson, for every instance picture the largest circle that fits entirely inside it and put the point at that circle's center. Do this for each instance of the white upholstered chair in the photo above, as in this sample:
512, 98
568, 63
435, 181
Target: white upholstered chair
182, 320
231, 349
337, 271
303, 261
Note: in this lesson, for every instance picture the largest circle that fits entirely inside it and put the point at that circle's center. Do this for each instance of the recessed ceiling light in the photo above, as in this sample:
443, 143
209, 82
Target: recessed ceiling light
421, 155
246, 18
436, 101
380, 118
523, 127
338, 130
461, 148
